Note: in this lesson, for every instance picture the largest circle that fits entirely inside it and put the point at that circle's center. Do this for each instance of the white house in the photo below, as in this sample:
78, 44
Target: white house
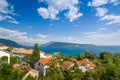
2, 46
2, 53
21, 52
86, 65
42, 65
43, 55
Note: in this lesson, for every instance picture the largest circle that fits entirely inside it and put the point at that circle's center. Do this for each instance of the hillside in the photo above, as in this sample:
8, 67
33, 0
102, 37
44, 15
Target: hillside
64, 44
11, 43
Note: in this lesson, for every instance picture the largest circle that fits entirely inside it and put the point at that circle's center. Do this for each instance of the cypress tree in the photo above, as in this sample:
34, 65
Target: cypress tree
35, 56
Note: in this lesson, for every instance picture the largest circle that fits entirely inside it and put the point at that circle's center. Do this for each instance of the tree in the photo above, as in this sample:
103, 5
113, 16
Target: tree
5, 71
26, 59
10, 48
4, 59
80, 56
35, 56
107, 57
90, 55
14, 59
8, 73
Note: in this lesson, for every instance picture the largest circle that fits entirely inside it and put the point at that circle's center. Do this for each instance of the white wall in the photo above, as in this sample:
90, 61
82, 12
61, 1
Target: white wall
42, 69
3, 47
2, 53
18, 55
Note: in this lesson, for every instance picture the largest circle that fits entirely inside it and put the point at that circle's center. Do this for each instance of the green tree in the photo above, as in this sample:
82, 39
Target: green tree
5, 71
14, 59
107, 57
80, 56
26, 59
35, 56
10, 48
89, 55
4, 59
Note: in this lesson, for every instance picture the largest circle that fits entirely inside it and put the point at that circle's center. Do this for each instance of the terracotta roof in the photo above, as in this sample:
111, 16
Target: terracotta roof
22, 51
45, 61
67, 64
48, 55
1, 44
74, 60
80, 63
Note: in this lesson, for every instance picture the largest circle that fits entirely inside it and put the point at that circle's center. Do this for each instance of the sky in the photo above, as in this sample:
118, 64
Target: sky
76, 21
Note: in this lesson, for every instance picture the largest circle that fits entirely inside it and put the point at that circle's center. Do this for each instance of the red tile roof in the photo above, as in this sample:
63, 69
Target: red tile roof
1, 44
22, 51
45, 61
80, 63
48, 55
67, 64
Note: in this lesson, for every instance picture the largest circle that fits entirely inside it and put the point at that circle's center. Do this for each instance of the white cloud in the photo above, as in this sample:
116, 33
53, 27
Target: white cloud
57, 6
42, 36
68, 38
48, 13
73, 14
112, 38
20, 37
5, 11
101, 11
102, 29
97, 3
113, 19
115, 2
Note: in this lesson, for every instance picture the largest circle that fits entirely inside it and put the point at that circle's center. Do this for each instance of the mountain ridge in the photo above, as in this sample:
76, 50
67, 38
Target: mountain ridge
64, 44
8, 42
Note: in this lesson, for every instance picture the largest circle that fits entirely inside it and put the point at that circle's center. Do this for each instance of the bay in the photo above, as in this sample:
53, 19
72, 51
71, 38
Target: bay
74, 51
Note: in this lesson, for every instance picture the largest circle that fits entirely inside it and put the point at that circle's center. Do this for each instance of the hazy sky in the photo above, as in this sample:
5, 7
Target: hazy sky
77, 21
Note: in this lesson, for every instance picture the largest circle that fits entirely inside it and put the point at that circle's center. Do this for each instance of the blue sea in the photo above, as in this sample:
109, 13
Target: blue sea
74, 51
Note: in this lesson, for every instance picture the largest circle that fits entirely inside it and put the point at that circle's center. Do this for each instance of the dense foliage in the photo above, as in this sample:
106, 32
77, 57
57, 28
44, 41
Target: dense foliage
7, 72
107, 68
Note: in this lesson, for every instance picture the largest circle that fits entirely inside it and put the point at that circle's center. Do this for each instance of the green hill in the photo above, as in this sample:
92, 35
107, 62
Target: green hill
11, 43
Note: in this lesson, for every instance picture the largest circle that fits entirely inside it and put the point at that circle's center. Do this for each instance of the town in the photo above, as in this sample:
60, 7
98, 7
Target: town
37, 65
43, 64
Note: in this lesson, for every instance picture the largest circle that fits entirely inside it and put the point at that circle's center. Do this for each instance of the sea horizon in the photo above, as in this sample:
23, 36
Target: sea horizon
74, 51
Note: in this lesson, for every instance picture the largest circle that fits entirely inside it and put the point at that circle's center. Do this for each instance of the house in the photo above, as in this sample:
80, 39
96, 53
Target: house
86, 65
3, 53
43, 55
67, 64
2, 46
33, 73
27, 70
42, 65
21, 52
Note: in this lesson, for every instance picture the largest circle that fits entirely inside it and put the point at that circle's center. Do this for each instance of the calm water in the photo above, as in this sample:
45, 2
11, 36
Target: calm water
73, 51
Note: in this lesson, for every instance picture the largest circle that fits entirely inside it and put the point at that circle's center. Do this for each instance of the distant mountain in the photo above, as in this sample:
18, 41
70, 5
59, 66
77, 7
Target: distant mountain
64, 44
11, 43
